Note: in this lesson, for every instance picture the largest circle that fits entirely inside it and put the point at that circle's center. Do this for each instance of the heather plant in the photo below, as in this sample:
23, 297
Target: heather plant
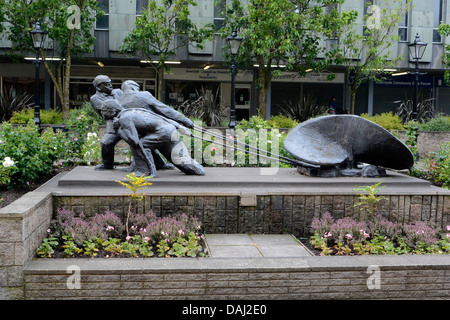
104, 234
341, 237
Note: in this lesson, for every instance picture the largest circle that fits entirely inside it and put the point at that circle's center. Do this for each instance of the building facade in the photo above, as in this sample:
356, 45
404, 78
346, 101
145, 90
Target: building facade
195, 72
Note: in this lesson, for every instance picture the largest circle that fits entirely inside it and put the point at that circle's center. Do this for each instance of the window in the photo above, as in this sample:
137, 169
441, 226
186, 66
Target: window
103, 21
141, 5
218, 17
403, 28
438, 4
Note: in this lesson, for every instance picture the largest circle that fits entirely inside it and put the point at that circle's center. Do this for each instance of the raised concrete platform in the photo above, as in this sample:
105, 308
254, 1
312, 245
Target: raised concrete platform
224, 181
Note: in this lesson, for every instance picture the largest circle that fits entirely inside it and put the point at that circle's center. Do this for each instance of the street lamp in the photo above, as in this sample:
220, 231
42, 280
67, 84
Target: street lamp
416, 50
38, 35
234, 43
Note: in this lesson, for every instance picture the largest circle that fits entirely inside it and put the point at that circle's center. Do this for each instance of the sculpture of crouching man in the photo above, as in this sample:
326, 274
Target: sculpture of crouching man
145, 130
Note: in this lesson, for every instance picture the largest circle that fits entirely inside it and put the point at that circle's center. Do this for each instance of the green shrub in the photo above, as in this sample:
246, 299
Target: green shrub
437, 165
440, 123
91, 116
387, 120
282, 121
47, 116
33, 154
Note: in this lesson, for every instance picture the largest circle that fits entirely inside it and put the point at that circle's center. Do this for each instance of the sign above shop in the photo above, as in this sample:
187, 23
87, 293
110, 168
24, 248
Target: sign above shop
406, 81
219, 75
310, 77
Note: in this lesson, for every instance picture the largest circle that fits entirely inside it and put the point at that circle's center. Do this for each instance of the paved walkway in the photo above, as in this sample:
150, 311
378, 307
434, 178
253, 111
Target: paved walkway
255, 246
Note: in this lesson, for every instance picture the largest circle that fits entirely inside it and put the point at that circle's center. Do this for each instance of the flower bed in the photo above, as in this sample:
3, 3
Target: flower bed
347, 236
105, 235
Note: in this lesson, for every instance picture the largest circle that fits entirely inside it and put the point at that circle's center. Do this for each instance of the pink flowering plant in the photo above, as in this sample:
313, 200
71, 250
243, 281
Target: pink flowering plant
347, 236
104, 235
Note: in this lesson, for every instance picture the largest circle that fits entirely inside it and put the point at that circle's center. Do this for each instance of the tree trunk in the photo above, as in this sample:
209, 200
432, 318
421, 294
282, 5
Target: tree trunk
160, 75
265, 76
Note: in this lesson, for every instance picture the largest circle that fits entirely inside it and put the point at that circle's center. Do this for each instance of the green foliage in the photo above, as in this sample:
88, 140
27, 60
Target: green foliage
47, 116
387, 120
425, 109
10, 103
255, 122
56, 19
444, 30
437, 165
91, 149
91, 116
281, 32
134, 184
163, 27
47, 248
77, 134
302, 109
439, 123
368, 200
365, 55
34, 154
282, 121
411, 137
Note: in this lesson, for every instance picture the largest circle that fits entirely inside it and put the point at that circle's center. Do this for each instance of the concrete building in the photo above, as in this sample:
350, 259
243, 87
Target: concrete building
194, 70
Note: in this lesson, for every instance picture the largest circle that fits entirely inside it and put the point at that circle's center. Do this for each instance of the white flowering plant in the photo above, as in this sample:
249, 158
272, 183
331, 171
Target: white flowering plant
6, 169
91, 149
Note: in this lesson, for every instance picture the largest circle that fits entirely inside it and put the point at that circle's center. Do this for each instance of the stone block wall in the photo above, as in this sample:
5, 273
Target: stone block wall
428, 141
395, 277
23, 226
272, 214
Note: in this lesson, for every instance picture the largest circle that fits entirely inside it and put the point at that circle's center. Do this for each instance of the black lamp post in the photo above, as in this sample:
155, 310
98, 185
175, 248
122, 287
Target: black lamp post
234, 43
416, 50
38, 35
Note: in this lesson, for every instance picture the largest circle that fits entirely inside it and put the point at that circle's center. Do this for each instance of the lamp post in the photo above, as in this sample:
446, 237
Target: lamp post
38, 35
234, 43
416, 50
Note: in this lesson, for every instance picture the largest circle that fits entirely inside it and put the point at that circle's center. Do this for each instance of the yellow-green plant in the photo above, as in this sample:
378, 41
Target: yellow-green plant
368, 201
134, 184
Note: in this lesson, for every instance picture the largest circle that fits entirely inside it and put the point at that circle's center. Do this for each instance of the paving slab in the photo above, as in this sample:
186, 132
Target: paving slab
255, 246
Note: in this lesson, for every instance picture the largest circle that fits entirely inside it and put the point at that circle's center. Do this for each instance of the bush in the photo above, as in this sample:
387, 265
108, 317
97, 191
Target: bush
91, 116
437, 165
281, 121
27, 114
440, 123
387, 120
33, 154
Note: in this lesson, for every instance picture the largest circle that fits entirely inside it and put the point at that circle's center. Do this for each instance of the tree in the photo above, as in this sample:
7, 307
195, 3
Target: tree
161, 30
366, 53
282, 34
444, 30
69, 24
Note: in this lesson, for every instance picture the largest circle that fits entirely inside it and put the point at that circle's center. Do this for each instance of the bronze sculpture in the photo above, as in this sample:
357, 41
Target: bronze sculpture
148, 130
